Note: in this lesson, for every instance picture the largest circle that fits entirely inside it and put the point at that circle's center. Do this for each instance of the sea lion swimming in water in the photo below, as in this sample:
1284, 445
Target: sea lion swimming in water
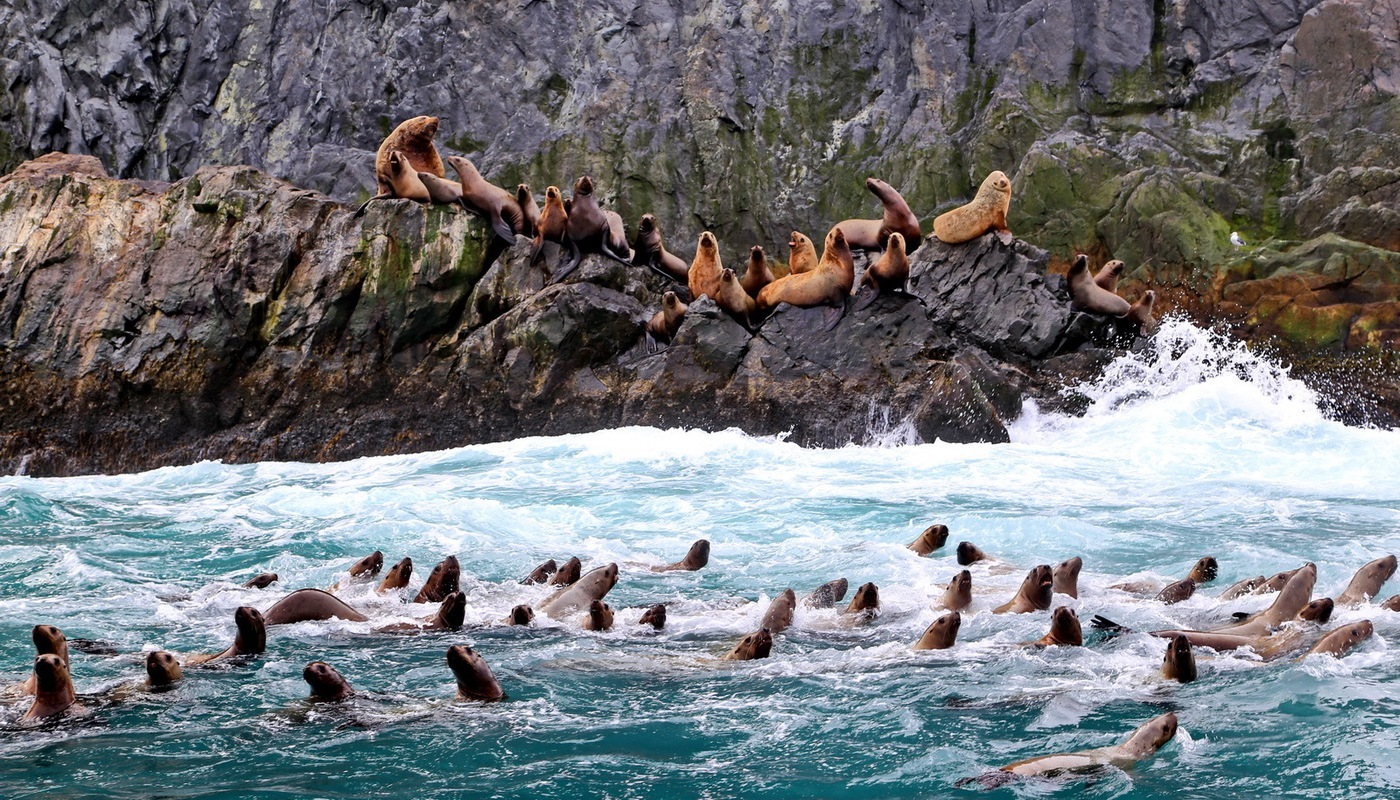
262, 581
1292, 598
310, 604
649, 251
1393, 604
1176, 592
1341, 641
1204, 571
941, 633
1319, 611
541, 573
327, 684
1065, 577
445, 579
958, 596
779, 615
521, 615
568, 574
593, 585
398, 576
53, 691
969, 554
696, 558
368, 567
1367, 581
865, 605
1274, 583
654, 616
449, 617
1179, 664
1034, 594
754, 646
1064, 631
1143, 742
162, 671
933, 538
48, 640
600, 617
1243, 588
251, 639
474, 678
874, 234
827, 595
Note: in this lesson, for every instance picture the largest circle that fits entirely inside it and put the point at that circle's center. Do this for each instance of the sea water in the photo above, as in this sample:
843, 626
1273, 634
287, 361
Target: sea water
1194, 447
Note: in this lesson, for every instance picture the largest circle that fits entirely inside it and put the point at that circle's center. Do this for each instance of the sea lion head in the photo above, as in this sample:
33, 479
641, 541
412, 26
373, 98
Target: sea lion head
1319, 610
968, 554
1179, 664
1205, 570
699, 553
453, 611
1080, 265
1065, 628
1371, 577
654, 616
895, 243
1039, 586
252, 631
670, 300
960, 589
647, 223
1152, 735
1066, 576
599, 616
757, 256
423, 126
51, 675
707, 241
1114, 268
326, 682
398, 163
996, 183
474, 678
609, 575
754, 646
553, 193
398, 575
726, 275
942, 632
522, 192
798, 240
867, 598
568, 574
836, 238
583, 186
521, 615
933, 537
49, 640
369, 566
162, 670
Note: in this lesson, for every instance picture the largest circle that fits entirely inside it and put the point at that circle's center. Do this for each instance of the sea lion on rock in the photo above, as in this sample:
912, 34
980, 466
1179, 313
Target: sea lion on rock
541, 573
588, 229
969, 554
1144, 742
779, 615
704, 273
827, 595
489, 200
445, 579
474, 678
663, 324
866, 603
327, 684
959, 593
827, 285
1141, 312
654, 616
53, 691
734, 300
403, 182
251, 639
1085, 295
649, 251
413, 138
369, 566
890, 272
553, 225
162, 670
696, 558
442, 191
1065, 629
873, 234
310, 604
932, 538
1176, 592
1243, 588
1065, 577
1342, 640
754, 646
802, 254
594, 585
941, 633
568, 574
617, 236
757, 275
986, 212
1107, 276
262, 581
600, 617
1367, 581
398, 576
521, 615
1034, 594
1179, 664
529, 210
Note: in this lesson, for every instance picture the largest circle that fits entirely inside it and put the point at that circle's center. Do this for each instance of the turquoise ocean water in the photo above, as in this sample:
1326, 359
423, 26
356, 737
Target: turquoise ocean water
1194, 448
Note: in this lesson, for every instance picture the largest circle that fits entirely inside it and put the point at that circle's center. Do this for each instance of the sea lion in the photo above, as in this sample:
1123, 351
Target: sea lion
696, 558
413, 138
969, 554
827, 285
890, 272
704, 274
654, 616
567, 574
1319, 611
779, 615
529, 210
48, 640
1243, 588
1107, 276
757, 275
250, 640
958, 596
617, 235
1034, 594
1393, 604
489, 200
594, 585
1274, 583
1085, 295
327, 684
53, 691
754, 646
663, 324
1178, 591
541, 573
369, 566
865, 603
262, 581
1141, 312
873, 234
932, 538
734, 300
827, 595
442, 191
1367, 581
1204, 570
588, 229
1179, 664
445, 579
398, 576
1065, 577
649, 251
474, 678
162, 670
1294, 595
521, 615
986, 212
1065, 630
451, 614
802, 254
552, 226
941, 633
403, 182
310, 604
600, 617
1267, 646
1143, 742
1341, 641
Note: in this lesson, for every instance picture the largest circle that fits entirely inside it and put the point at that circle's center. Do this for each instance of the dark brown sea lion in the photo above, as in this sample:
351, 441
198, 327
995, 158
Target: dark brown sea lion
873, 234
890, 272
754, 646
474, 678
398, 576
827, 285
53, 691
1243, 588
451, 614
654, 616
827, 595
1393, 604
588, 229
250, 640
1065, 630
779, 615
162, 670
403, 182
958, 596
733, 300
663, 324
933, 538
1342, 640
969, 554
802, 254
649, 251
600, 617
1144, 742
941, 633
327, 684
696, 558
262, 581
1107, 276
529, 210
567, 574
1204, 571
704, 273
1177, 592
1066, 576
369, 566
986, 212
521, 615
865, 604
1319, 611
1085, 295
445, 579
758, 274
414, 139
1179, 664
489, 200
541, 573
1034, 594
553, 225
1367, 582
593, 585
310, 604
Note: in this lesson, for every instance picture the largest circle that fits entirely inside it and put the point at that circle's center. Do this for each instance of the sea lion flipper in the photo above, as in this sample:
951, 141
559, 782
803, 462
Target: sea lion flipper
501, 227
832, 316
361, 211
864, 298
1105, 624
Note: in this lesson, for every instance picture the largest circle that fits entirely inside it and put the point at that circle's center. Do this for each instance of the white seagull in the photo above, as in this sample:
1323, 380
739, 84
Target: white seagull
1235, 239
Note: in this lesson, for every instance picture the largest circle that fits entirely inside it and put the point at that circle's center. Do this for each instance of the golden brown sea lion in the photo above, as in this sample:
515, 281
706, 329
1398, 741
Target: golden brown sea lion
969, 554
1179, 664
262, 581
327, 684
865, 604
1268, 646
704, 273
827, 595
397, 577
891, 271
1342, 640
1141, 312
600, 617
1274, 583
779, 614
250, 640
754, 646
1367, 582
489, 200
1108, 275
958, 596
593, 585
541, 573
758, 274
941, 633
529, 210
733, 300
403, 182
1243, 588
802, 254
568, 574
474, 678
552, 226
1034, 594
873, 234
53, 691
663, 324
654, 616
649, 251
1065, 630
695, 558
309, 604
1066, 576
986, 212
827, 285
445, 579
1177, 592
933, 538
1144, 742
414, 139
1085, 295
